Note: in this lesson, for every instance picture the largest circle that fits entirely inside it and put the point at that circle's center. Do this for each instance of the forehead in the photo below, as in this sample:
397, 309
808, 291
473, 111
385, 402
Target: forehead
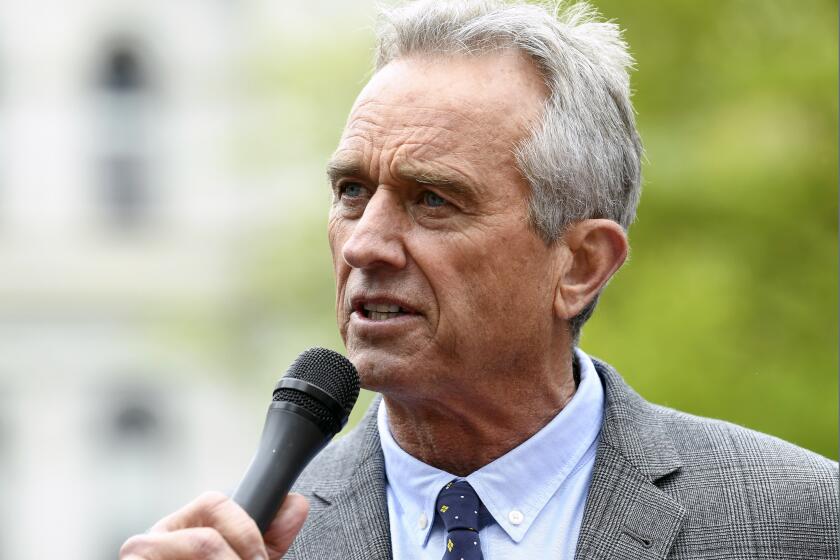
433, 107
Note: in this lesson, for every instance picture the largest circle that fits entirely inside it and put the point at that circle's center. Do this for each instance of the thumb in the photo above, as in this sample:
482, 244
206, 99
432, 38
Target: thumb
286, 525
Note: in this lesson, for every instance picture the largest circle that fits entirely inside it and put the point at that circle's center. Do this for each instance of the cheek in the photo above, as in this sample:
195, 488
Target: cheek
464, 276
337, 232
337, 235
491, 277
491, 260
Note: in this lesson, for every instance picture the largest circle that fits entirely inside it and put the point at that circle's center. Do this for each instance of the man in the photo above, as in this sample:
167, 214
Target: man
483, 187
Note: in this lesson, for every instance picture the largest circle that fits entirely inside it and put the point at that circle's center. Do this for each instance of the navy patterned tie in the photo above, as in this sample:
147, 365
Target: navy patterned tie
458, 505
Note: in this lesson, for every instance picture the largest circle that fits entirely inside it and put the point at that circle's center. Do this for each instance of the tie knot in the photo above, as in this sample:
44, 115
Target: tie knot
458, 505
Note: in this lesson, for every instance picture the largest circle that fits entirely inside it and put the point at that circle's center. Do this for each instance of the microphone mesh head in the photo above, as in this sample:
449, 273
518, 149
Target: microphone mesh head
332, 373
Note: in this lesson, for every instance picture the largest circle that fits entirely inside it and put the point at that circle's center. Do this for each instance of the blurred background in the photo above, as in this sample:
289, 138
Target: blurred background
163, 252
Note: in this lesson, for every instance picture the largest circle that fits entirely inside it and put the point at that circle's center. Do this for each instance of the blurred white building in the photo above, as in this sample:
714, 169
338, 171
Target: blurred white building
119, 215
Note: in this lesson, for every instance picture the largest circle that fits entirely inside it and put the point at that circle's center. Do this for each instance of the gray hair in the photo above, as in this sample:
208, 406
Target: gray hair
582, 158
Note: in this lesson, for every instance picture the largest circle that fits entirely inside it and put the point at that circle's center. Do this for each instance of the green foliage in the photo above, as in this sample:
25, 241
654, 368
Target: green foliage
728, 305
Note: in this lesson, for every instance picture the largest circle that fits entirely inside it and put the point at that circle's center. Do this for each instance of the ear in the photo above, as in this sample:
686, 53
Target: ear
594, 250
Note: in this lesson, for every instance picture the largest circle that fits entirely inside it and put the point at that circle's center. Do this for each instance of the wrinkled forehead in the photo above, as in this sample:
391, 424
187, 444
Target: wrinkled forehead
455, 101
386, 123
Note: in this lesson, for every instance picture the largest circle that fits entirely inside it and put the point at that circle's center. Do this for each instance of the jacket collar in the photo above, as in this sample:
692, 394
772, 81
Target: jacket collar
633, 427
345, 486
627, 516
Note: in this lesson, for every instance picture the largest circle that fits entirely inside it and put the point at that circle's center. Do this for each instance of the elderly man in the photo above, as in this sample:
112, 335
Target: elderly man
483, 188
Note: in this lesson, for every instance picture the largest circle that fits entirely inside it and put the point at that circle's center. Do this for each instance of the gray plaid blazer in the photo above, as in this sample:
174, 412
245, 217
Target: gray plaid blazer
665, 485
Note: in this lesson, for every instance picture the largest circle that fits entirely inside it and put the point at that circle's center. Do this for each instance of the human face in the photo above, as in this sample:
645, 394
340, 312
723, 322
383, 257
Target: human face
440, 279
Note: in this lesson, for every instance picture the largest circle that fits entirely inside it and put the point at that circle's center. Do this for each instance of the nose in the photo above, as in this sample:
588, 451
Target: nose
376, 239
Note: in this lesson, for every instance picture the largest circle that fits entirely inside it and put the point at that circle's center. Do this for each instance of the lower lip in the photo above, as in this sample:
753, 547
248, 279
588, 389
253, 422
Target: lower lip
385, 326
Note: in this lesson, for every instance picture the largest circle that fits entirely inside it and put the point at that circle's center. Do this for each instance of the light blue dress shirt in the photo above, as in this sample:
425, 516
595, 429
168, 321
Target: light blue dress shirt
535, 493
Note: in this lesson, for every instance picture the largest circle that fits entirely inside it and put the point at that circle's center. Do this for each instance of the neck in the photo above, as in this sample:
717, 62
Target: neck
462, 431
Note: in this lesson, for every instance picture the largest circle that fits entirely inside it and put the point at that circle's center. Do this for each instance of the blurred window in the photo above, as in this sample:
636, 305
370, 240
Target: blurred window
123, 70
7, 447
124, 193
135, 420
132, 429
2, 140
124, 190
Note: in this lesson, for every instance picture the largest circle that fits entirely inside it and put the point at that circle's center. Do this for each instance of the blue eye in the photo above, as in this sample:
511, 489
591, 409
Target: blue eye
352, 190
433, 200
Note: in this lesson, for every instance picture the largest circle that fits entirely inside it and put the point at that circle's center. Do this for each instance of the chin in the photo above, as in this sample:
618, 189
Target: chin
382, 371
374, 374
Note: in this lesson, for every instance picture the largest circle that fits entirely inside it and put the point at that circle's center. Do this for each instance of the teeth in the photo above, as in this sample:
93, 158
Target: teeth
381, 307
377, 316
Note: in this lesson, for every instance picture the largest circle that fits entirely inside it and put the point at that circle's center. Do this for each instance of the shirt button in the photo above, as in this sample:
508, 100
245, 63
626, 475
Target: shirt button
515, 516
422, 521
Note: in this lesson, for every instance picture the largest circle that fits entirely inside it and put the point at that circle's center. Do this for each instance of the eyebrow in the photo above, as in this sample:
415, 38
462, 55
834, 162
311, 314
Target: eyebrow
338, 168
406, 171
442, 180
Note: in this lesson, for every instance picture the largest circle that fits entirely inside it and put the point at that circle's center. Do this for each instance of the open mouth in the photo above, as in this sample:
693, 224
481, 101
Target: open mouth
382, 311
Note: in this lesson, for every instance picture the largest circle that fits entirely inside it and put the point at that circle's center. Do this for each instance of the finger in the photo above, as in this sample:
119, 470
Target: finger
214, 509
194, 514
194, 543
286, 525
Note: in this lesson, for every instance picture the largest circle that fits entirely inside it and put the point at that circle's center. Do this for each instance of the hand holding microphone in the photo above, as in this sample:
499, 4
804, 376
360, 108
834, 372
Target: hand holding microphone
310, 404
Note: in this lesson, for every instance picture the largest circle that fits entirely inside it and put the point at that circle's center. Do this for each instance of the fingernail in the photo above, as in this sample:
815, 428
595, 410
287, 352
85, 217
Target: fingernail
260, 557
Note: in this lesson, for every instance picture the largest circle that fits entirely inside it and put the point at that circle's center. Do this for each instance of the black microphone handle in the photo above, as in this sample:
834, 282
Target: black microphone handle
289, 441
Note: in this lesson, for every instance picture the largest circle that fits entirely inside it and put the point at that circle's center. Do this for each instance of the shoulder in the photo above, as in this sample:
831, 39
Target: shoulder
345, 487
753, 481
706, 445
703, 447
741, 493
336, 466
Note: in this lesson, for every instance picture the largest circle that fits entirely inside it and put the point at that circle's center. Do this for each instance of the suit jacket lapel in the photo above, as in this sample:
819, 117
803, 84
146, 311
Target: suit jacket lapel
627, 516
349, 517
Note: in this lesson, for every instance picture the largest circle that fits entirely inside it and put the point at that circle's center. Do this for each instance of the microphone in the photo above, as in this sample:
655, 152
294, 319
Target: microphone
310, 404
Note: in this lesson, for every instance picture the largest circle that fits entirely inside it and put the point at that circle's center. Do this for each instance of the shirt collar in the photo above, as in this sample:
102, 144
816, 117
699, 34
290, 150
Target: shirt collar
523, 480
414, 484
